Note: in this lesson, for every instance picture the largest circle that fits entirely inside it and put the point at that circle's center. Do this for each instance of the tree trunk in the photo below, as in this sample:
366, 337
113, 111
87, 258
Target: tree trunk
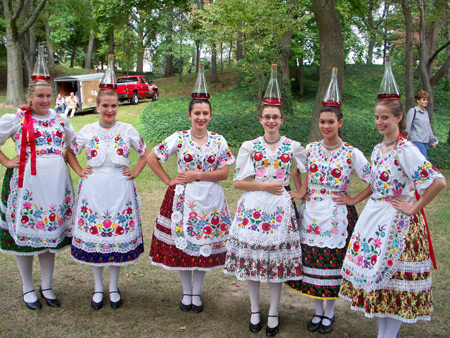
50, 57
283, 56
229, 52
370, 49
197, 55
181, 69
74, 52
168, 71
214, 76
90, 50
331, 55
15, 94
301, 71
239, 46
221, 58
140, 53
386, 10
409, 71
29, 50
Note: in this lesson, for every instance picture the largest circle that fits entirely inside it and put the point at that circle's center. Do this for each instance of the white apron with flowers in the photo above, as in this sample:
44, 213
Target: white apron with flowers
200, 219
378, 240
323, 223
39, 215
108, 216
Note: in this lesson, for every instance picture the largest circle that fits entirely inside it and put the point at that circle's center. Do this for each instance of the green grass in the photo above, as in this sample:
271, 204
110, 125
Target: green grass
151, 294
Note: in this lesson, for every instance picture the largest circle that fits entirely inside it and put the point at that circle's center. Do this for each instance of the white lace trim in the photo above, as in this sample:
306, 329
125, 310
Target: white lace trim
263, 280
414, 267
163, 237
383, 315
112, 249
164, 221
409, 286
322, 282
322, 272
263, 255
15, 253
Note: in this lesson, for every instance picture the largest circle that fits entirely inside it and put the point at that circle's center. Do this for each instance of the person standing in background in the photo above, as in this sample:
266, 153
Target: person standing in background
418, 124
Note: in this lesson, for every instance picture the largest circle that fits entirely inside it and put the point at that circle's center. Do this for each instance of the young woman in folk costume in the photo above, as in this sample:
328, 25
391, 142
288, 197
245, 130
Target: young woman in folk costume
265, 240
193, 223
36, 214
387, 266
328, 213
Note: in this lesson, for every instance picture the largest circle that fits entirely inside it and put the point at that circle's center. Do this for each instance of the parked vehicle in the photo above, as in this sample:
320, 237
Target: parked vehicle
136, 87
85, 87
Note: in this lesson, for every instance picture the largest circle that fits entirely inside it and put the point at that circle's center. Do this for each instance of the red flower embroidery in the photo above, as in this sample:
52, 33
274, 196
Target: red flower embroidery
336, 173
349, 161
161, 147
37, 134
356, 246
310, 229
266, 226
390, 262
24, 219
93, 230
245, 221
384, 176
120, 151
424, 173
285, 158
323, 191
69, 212
258, 156
224, 227
373, 260
199, 167
215, 220
313, 168
317, 231
59, 133
78, 240
52, 217
396, 163
93, 153
117, 138
120, 231
188, 158
179, 145
211, 158
207, 230
256, 214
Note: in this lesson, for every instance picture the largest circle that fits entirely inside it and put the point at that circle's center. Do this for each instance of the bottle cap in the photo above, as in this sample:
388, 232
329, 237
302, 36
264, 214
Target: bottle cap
272, 95
108, 81
40, 71
200, 89
332, 97
388, 89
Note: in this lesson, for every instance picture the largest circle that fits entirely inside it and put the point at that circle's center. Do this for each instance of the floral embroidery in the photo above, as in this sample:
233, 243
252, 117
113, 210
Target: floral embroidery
257, 220
121, 146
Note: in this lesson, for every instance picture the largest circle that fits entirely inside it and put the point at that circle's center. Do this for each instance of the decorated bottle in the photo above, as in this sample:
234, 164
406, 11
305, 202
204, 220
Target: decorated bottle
272, 95
332, 97
109, 78
388, 89
200, 89
40, 71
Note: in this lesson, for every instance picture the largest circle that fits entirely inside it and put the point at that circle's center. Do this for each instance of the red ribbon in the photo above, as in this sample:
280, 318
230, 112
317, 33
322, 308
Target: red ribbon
433, 258
27, 130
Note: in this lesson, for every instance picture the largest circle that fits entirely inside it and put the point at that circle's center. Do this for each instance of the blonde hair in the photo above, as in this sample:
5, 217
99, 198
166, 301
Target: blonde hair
395, 107
35, 85
106, 92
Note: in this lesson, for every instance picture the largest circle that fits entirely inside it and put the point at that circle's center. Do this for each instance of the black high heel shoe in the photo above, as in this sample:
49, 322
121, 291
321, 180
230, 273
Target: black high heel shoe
115, 305
184, 307
272, 331
49, 301
34, 305
311, 326
197, 308
254, 327
96, 305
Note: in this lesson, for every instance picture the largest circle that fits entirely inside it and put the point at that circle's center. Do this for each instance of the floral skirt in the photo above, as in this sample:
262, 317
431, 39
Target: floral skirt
407, 296
322, 266
7, 243
163, 251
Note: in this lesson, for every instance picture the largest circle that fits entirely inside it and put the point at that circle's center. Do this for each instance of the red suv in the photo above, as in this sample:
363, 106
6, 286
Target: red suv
136, 87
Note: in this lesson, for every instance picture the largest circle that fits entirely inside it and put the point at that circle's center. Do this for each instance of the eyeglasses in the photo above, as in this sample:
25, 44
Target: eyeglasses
268, 117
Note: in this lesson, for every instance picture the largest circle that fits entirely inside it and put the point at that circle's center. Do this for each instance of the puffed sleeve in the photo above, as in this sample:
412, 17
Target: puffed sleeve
244, 162
9, 125
137, 143
417, 168
361, 166
225, 156
68, 131
300, 156
167, 147
80, 140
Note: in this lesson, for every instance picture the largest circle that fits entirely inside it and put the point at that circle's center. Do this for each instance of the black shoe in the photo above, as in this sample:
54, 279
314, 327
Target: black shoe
184, 307
32, 306
197, 308
254, 327
49, 301
95, 305
272, 331
115, 305
311, 326
326, 328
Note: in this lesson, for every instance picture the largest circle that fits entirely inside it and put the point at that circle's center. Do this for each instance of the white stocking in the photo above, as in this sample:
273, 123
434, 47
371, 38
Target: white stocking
319, 310
25, 265
392, 328
98, 280
198, 278
329, 312
186, 282
114, 272
47, 263
253, 290
275, 293
381, 327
